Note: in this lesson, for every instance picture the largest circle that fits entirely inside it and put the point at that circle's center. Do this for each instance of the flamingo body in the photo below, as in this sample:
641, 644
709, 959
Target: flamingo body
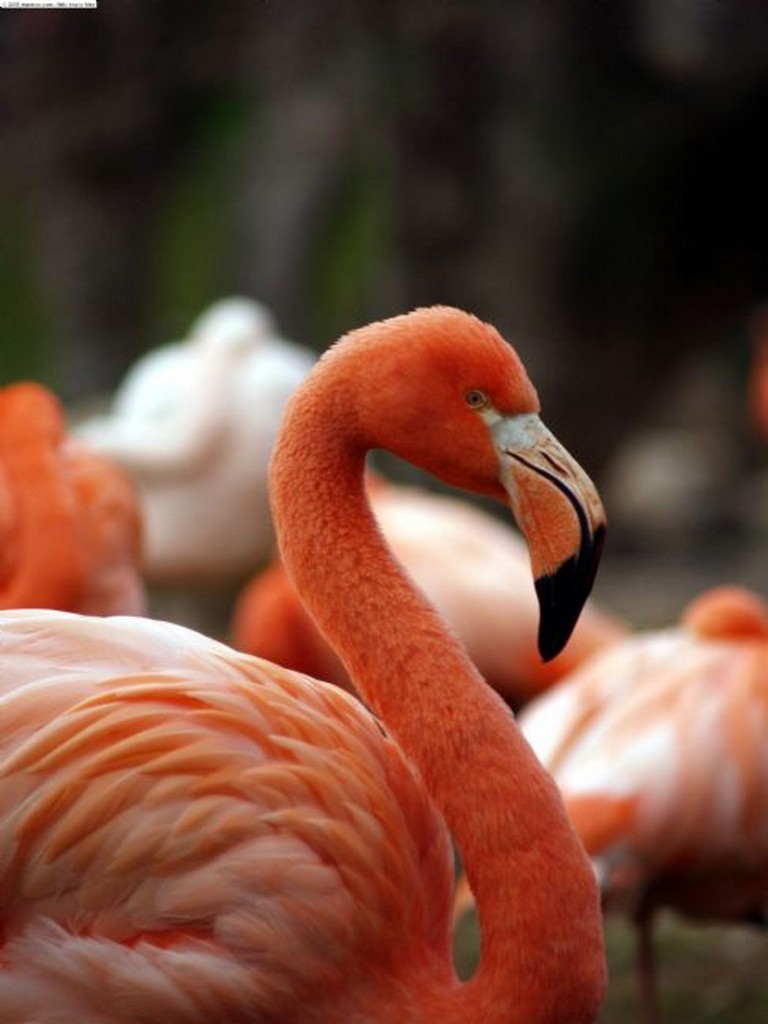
194, 423
472, 567
658, 746
192, 835
200, 828
70, 521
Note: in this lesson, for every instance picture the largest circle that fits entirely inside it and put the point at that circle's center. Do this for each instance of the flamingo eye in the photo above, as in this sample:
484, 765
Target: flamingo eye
476, 399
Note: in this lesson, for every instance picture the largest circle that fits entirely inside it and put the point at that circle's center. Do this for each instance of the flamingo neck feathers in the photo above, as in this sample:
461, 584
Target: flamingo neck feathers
42, 562
535, 894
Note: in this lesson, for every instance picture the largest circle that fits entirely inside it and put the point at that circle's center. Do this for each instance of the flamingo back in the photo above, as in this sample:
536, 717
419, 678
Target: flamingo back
189, 834
660, 748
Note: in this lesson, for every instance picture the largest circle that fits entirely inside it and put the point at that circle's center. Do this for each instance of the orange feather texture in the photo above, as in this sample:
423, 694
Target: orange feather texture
191, 835
70, 523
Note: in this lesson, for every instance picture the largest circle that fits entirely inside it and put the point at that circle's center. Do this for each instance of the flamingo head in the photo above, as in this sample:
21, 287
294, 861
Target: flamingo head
30, 415
444, 391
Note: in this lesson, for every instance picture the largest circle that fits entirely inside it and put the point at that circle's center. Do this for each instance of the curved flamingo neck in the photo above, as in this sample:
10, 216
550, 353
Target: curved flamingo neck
535, 893
40, 524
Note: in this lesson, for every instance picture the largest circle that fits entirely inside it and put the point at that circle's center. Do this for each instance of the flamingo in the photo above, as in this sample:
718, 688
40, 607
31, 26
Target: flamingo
472, 568
70, 523
658, 747
191, 834
193, 423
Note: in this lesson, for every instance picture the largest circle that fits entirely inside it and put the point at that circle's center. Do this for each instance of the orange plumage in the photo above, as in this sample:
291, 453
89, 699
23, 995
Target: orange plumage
210, 817
658, 747
70, 524
191, 835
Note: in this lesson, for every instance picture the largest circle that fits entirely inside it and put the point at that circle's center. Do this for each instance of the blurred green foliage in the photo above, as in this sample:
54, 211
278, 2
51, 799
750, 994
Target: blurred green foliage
350, 251
189, 256
23, 347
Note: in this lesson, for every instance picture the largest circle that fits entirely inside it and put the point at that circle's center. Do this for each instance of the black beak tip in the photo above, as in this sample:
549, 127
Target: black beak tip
562, 595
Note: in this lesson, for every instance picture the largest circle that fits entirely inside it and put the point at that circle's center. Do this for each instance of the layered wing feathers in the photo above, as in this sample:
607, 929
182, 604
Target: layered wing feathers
221, 801
660, 748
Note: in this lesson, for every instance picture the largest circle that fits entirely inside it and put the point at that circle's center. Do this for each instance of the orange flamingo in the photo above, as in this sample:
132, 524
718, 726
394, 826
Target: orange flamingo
473, 569
658, 747
191, 834
70, 525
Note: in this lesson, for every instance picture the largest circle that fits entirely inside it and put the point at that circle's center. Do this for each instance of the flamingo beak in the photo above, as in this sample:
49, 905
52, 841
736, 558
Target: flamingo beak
558, 509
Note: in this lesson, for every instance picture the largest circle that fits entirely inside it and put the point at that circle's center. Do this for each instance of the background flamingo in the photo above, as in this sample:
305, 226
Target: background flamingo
190, 834
658, 747
472, 567
193, 423
70, 524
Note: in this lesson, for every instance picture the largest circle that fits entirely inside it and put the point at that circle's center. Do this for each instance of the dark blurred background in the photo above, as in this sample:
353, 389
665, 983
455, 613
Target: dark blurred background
588, 175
